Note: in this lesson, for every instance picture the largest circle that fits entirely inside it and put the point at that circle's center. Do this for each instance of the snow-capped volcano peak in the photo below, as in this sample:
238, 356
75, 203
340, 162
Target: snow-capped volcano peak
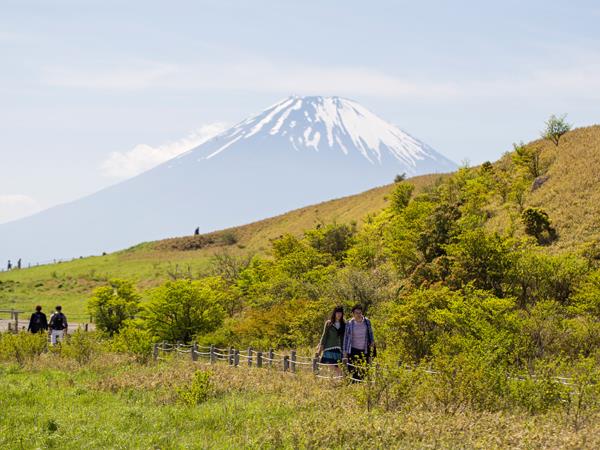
329, 124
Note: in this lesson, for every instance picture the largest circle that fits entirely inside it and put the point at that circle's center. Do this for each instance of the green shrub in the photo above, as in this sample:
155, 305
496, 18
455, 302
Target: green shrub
536, 395
22, 347
537, 224
81, 346
135, 341
198, 390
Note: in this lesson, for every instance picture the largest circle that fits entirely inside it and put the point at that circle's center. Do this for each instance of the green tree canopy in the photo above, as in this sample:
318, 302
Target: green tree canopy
111, 305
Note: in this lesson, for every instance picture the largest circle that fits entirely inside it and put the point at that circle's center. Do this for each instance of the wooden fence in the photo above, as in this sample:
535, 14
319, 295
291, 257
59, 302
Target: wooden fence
293, 363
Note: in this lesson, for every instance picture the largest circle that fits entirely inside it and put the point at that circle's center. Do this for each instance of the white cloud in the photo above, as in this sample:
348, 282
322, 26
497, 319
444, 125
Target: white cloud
16, 206
143, 157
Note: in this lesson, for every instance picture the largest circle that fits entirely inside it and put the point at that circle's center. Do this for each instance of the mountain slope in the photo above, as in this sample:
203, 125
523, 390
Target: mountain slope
571, 196
570, 192
298, 152
151, 263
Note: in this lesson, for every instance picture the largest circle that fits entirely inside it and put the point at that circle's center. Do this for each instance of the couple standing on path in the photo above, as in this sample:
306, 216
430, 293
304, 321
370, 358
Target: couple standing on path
58, 323
353, 340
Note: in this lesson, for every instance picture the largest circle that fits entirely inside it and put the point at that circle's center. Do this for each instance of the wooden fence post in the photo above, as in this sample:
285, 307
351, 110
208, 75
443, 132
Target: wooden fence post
213, 357
286, 363
293, 361
194, 352
271, 357
86, 327
315, 365
230, 356
9, 327
259, 359
236, 361
249, 356
155, 351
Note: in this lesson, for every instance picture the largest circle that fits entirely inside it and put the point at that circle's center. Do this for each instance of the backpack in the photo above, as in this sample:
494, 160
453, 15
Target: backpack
57, 322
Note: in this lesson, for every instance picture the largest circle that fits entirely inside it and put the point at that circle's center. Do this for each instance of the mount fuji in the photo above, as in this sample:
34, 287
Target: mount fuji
300, 151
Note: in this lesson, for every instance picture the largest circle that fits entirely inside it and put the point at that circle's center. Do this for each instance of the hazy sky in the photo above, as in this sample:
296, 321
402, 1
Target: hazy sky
94, 91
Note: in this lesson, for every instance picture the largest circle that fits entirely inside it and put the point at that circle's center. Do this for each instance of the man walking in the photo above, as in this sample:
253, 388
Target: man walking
38, 321
58, 326
358, 341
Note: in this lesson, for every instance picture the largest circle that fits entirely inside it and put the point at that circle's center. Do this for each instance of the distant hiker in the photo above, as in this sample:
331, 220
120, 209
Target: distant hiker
359, 343
197, 231
38, 321
9, 265
332, 340
19, 263
58, 325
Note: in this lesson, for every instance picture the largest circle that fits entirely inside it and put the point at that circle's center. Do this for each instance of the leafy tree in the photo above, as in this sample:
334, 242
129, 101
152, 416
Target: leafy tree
487, 167
333, 239
480, 259
556, 127
400, 177
537, 224
527, 159
180, 309
411, 326
535, 276
112, 305
401, 196
352, 285
438, 230
586, 298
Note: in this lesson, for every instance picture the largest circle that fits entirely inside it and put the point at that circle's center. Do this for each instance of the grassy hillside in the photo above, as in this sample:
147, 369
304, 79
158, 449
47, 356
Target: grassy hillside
568, 192
151, 263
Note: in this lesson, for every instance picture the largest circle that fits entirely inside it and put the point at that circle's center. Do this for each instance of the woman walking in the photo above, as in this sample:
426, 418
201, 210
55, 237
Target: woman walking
332, 339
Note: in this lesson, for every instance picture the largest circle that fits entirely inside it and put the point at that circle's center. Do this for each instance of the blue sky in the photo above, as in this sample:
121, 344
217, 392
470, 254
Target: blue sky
84, 83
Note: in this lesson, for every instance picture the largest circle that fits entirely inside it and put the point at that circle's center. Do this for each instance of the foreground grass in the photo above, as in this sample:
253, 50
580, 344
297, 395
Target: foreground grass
114, 403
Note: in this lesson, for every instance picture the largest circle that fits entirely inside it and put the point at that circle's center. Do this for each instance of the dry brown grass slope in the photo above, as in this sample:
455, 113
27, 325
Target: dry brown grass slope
256, 236
571, 195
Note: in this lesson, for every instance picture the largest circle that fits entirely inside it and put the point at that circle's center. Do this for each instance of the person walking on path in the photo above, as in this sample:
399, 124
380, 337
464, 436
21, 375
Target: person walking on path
38, 321
58, 326
359, 342
332, 339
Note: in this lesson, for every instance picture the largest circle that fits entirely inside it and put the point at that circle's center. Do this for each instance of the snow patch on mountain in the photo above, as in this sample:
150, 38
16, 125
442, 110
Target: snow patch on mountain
324, 124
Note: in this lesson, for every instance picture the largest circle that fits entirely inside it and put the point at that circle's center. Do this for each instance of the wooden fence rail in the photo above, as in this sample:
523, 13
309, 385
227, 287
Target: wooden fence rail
290, 363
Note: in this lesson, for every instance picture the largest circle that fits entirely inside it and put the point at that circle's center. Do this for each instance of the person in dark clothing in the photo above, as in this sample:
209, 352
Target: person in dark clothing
58, 325
19, 263
38, 321
197, 231
9, 265
332, 339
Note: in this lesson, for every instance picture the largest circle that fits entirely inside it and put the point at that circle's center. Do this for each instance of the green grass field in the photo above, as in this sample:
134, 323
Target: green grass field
115, 403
